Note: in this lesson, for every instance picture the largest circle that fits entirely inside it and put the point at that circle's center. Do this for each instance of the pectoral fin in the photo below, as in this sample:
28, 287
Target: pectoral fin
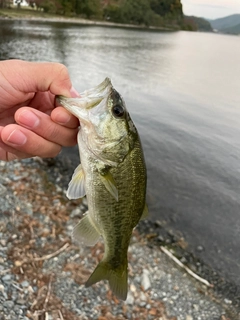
110, 184
86, 232
145, 213
76, 187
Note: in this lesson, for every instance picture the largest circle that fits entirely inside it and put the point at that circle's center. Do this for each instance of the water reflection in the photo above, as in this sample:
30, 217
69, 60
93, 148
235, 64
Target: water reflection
33, 41
94, 49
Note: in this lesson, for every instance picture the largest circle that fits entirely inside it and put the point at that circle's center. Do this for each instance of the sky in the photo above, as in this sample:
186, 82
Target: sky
210, 9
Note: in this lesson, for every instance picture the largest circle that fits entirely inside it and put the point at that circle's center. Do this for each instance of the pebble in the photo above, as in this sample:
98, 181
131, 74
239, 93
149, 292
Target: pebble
17, 178
145, 280
8, 304
70, 227
25, 283
227, 301
3, 242
130, 298
76, 213
3, 190
133, 288
7, 278
59, 189
196, 307
56, 202
20, 301
143, 296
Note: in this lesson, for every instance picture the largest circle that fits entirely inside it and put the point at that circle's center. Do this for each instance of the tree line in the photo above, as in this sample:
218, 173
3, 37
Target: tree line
159, 13
139, 12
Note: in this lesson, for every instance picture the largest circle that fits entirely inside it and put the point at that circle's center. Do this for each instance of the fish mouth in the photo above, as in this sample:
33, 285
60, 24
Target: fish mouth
91, 100
99, 90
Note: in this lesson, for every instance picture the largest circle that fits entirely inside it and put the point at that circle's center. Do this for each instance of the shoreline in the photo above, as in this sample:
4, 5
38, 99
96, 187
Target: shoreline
79, 21
39, 261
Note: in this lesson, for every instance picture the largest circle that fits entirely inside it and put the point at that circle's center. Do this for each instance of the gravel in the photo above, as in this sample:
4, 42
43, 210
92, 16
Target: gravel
42, 273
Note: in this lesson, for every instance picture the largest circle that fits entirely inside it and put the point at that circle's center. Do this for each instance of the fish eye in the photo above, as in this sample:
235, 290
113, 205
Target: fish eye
118, 111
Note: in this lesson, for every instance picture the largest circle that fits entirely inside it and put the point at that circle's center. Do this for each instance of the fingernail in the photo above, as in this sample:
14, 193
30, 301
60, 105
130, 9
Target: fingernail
17, 138
74, 92
28, 119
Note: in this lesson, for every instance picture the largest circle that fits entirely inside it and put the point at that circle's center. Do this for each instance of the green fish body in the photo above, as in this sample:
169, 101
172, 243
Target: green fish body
112, 175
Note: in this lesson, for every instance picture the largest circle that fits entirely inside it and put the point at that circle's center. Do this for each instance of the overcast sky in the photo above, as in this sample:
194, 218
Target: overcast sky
210, 9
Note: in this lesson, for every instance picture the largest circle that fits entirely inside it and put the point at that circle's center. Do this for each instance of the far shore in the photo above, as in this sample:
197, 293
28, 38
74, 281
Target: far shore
33, 15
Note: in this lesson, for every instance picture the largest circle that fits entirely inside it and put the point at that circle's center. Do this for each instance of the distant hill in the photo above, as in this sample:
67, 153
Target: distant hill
229, 24
193, 23
233, 30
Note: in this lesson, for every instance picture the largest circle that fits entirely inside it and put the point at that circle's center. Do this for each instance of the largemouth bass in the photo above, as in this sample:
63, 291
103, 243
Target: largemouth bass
112, 175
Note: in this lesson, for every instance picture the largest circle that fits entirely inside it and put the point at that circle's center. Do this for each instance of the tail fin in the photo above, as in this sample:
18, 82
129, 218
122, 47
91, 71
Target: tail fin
118, 278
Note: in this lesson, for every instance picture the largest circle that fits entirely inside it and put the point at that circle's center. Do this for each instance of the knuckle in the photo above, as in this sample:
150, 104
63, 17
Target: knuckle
62, 135
62, 70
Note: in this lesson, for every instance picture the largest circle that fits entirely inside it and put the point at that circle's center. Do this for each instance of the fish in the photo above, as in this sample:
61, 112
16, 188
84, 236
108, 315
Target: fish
112, 175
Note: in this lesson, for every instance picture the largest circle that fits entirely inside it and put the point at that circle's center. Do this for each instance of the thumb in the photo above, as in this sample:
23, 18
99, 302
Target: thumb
28, 77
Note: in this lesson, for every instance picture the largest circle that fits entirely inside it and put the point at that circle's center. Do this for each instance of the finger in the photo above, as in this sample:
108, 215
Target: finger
65, 118
43, 126
28, 142
8, 153
39, 76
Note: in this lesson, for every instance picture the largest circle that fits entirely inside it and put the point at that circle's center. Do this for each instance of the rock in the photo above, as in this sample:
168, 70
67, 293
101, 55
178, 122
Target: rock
21, 302
25, 284
145, 280
7, 278
2, 163
8, 304
142, 304
56, 202
133, 288
196, 307
130, 298
48, 316
17, 178
3, 242
227, 301
143, 297
70, 228
3, 190
76, 213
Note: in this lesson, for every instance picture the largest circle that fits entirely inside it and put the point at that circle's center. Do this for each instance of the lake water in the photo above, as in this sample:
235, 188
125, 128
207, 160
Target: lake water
183, 91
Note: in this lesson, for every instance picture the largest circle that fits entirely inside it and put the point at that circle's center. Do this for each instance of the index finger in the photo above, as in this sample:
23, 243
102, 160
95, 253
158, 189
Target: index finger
65, 118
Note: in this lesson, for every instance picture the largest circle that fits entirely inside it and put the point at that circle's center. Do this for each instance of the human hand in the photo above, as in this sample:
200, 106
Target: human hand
30, 125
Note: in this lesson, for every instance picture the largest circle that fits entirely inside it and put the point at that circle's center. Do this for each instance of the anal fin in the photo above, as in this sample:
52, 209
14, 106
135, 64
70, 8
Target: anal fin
86, 232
